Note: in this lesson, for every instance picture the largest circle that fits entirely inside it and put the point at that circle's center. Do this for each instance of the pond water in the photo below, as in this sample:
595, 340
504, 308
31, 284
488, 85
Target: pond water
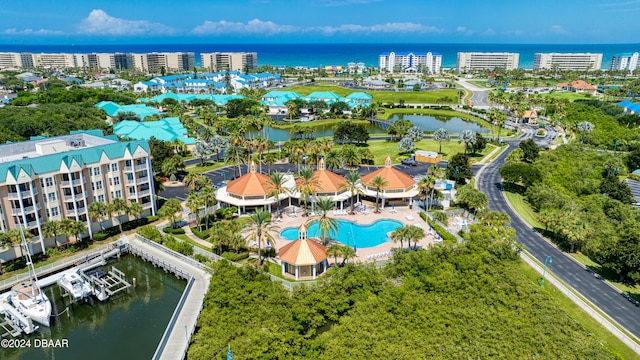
433, 123
129, 325
424, 122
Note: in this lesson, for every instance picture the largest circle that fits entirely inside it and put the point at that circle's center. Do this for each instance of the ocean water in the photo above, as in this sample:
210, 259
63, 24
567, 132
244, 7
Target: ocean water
321, 54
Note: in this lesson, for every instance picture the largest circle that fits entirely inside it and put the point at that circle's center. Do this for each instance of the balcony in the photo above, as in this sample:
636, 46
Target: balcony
23, 194
144, 193
76, 182
33, 224
68, 198
147, 205
142, 179
27, 210
135, 168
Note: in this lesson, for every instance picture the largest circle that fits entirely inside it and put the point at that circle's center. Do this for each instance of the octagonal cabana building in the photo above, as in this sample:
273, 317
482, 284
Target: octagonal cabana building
329, 185
400, 188
303, 259
250, 191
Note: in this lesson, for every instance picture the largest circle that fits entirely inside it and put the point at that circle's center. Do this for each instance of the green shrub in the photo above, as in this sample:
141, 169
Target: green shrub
174, 231
232, 256
99, 236
423, 215
151, 218
179, 246
440, 216
151, 233
204, 235
201, 258
446, 236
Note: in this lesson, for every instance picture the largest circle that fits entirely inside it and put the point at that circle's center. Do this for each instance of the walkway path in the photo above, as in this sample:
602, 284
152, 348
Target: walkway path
178, 339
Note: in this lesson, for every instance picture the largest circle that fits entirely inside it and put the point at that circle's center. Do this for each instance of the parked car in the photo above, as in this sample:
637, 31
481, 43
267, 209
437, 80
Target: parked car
409, 161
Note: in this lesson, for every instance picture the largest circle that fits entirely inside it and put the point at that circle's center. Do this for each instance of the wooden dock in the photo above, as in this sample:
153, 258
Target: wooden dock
177, 335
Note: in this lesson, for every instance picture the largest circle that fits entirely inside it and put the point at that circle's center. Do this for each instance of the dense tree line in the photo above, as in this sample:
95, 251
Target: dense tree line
583, 204
17, 124
451, 301
60, 95
610, 124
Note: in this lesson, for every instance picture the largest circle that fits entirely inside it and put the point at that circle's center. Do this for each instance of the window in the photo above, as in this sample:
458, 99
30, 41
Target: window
118, 193
48, 181
114, 167
110, 182
96, 171
101, 198
47, 211
52, 196
116, 180
54, 211
132, 190
127, 163
98, 185
129, 177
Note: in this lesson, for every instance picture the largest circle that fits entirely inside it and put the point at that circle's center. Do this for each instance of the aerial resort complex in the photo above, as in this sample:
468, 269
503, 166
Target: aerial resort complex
190, 184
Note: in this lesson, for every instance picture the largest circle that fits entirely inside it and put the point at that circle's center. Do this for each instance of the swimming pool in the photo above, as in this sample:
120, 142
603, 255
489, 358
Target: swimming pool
349, 233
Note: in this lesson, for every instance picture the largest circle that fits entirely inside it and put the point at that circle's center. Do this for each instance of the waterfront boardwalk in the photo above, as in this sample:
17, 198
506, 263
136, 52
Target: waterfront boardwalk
176, 341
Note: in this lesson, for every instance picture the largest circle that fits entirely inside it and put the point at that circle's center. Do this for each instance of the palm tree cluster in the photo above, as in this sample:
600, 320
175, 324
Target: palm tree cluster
259, 226
407, 233
99, 211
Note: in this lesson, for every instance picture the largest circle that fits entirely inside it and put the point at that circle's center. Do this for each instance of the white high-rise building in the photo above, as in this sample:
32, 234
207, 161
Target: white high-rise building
421, 62
238, 61
470, 61
624, 62
567, 61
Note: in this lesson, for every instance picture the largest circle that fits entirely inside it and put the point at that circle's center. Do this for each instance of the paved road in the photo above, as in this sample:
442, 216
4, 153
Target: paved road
595, 290
480, 97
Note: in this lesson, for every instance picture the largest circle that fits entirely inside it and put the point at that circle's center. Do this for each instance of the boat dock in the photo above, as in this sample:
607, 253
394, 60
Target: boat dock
175, 340
104, 285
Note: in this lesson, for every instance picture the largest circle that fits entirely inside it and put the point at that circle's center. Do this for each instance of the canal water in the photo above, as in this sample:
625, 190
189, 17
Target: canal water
454, 125
127, 326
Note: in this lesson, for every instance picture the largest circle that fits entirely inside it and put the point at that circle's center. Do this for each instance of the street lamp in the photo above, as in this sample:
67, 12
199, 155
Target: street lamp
544, 271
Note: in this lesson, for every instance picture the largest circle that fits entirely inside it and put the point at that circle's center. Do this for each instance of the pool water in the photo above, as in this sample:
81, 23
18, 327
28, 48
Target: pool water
351, 234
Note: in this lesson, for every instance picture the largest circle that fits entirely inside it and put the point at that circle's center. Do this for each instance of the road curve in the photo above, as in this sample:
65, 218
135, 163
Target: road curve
608, 299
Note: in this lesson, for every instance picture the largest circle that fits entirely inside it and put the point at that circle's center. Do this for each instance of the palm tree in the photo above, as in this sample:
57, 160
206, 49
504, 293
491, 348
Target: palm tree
352, 184
350, 155
333, 160
261, 145
441, 135
326, 225
208, 196
234, 155
259, 227
270, 158
135, 209
70, 227
193, 182
413, 233
468, 137
97, 212
194, 203
334, 250
52, 228
169, 210
347, 253
499, 118
378, 183
118, 207
584, 127
425, 184
15, 236
276, 184
399, 234
307, 183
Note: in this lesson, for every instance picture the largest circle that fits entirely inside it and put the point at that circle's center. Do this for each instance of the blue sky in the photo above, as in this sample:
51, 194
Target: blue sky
327, 21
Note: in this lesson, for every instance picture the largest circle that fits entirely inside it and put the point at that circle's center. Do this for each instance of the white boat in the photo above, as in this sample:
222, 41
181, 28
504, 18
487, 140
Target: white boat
75, 285
27, 297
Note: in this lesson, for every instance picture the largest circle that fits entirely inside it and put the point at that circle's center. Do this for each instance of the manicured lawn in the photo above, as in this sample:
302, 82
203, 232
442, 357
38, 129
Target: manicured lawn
479, 83
523, 208
608, 340
423, 97
437, 112
208, 166
568, 95
316, 123
496, 154
381, 149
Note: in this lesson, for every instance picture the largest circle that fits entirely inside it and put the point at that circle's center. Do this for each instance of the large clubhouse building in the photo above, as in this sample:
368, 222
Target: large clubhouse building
58, 178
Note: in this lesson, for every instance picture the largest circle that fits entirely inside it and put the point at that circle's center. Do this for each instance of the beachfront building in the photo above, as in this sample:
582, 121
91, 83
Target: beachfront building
57, 178
578, 86
238, 61
567, 61
411, 62
356, 68
400, 188
303, 258
251, 191
166, 129
330, 185
472, 61
623, 62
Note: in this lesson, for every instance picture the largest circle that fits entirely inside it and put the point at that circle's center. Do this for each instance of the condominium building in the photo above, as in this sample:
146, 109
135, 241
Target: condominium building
471, 61
624, 62
151, 62
59, 177
567, 61
422, 62
238, 61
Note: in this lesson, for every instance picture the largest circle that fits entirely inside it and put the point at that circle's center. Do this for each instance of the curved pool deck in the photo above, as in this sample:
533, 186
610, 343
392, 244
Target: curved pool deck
364, 254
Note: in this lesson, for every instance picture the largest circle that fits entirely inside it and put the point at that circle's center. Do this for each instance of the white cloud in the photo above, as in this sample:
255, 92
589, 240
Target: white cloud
489, 32
513, 32
558, 30
464, 30
255, 26
258, 26
100, 23
14, 31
